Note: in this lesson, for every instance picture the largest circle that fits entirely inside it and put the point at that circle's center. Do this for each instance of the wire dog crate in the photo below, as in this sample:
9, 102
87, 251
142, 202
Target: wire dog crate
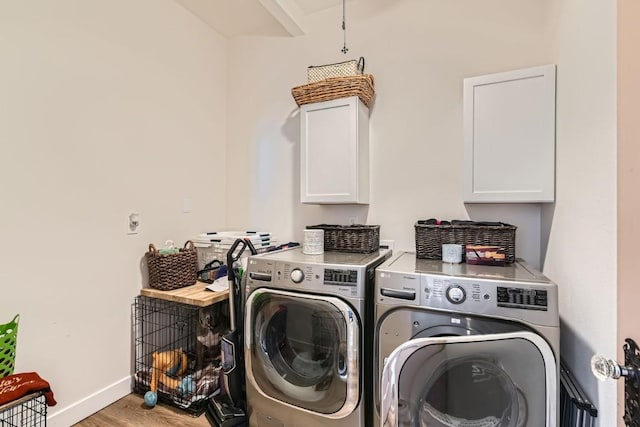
28, 411
165, 327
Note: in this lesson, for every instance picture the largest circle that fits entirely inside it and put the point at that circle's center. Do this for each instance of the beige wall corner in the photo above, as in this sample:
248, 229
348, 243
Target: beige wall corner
628, 179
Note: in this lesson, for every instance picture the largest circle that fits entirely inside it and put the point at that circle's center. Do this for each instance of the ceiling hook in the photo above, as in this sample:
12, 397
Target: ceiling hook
345, 49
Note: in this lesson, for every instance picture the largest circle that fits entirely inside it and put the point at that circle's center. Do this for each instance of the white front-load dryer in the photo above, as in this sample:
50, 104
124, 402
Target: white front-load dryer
465, 345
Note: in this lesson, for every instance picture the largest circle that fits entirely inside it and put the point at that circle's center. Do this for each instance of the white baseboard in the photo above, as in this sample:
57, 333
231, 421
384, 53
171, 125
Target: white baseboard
90, 404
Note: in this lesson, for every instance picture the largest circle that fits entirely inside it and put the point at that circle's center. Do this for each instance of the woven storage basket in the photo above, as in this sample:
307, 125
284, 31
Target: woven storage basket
334, 88
315, 73
8, 340
431, 237
172, 271
350, 238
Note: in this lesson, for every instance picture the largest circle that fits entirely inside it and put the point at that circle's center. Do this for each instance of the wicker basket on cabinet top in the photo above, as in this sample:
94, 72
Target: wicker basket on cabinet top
336, 87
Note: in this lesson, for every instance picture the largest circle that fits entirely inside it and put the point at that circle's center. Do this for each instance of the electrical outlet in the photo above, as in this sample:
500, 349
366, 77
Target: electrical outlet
133, 223
387, 243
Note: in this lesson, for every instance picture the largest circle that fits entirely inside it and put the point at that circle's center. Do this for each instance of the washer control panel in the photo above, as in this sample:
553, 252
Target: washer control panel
335, 276
307, 277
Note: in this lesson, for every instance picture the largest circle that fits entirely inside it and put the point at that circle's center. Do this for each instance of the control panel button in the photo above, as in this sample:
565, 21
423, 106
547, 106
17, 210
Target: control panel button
297, 276
456, 294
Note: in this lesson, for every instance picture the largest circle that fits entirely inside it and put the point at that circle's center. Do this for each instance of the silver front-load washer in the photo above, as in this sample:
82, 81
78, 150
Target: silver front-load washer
309, 337
465, 345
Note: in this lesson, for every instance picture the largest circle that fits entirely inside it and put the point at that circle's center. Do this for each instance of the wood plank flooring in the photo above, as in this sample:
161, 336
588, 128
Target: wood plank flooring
130, 411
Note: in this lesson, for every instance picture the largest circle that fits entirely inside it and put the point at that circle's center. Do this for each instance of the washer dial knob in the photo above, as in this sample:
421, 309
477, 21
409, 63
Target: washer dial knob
297, 276
456, 294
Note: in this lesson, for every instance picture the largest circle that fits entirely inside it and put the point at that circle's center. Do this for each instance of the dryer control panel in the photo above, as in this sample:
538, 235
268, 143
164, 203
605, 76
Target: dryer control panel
515, 292
531, 302
518, 300
528, 299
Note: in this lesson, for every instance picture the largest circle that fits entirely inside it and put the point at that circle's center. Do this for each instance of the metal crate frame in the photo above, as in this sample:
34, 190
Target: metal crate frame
28, 411
161, 325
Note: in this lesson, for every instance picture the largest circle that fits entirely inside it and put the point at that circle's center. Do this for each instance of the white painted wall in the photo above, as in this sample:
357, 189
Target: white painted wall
581, 255
104, 107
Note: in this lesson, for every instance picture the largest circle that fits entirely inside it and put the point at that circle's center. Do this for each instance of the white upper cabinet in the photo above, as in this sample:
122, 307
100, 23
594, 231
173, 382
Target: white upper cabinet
509, 136
334, 140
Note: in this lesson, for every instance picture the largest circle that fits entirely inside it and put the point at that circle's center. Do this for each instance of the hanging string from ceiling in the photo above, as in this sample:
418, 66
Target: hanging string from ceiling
345, 49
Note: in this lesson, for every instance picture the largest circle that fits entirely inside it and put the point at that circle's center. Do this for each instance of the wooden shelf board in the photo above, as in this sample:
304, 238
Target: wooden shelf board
197, 295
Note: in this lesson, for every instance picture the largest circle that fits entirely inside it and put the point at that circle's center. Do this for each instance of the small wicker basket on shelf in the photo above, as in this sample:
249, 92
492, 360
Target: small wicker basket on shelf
172, 271
336, 87
355, 238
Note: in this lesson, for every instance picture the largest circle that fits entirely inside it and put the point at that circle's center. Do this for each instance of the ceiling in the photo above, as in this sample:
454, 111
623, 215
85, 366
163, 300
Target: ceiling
233, 18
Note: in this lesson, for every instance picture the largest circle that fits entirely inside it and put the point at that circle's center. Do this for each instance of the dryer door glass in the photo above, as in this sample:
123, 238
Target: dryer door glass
303, 350
498, 380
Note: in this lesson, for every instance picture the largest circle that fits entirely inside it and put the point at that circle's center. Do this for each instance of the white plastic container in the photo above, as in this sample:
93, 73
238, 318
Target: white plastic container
452, 253
313, 242
215, 244
208, 251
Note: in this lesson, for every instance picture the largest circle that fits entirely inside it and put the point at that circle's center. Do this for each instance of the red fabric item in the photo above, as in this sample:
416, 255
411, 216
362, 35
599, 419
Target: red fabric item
15, 386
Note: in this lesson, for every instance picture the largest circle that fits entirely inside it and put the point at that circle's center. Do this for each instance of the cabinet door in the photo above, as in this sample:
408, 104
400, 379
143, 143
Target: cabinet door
334, 152
509, 136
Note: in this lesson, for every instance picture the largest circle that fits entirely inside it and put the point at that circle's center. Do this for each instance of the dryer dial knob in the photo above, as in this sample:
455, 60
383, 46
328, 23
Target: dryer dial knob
456, 294
297, 276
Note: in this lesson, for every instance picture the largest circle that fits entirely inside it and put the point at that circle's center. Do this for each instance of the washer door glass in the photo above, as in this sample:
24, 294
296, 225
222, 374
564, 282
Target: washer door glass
498, 380
303, 350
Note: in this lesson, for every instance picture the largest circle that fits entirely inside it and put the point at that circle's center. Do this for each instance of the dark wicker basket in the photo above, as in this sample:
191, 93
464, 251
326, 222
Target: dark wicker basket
172, 271
431, 237
350, 238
